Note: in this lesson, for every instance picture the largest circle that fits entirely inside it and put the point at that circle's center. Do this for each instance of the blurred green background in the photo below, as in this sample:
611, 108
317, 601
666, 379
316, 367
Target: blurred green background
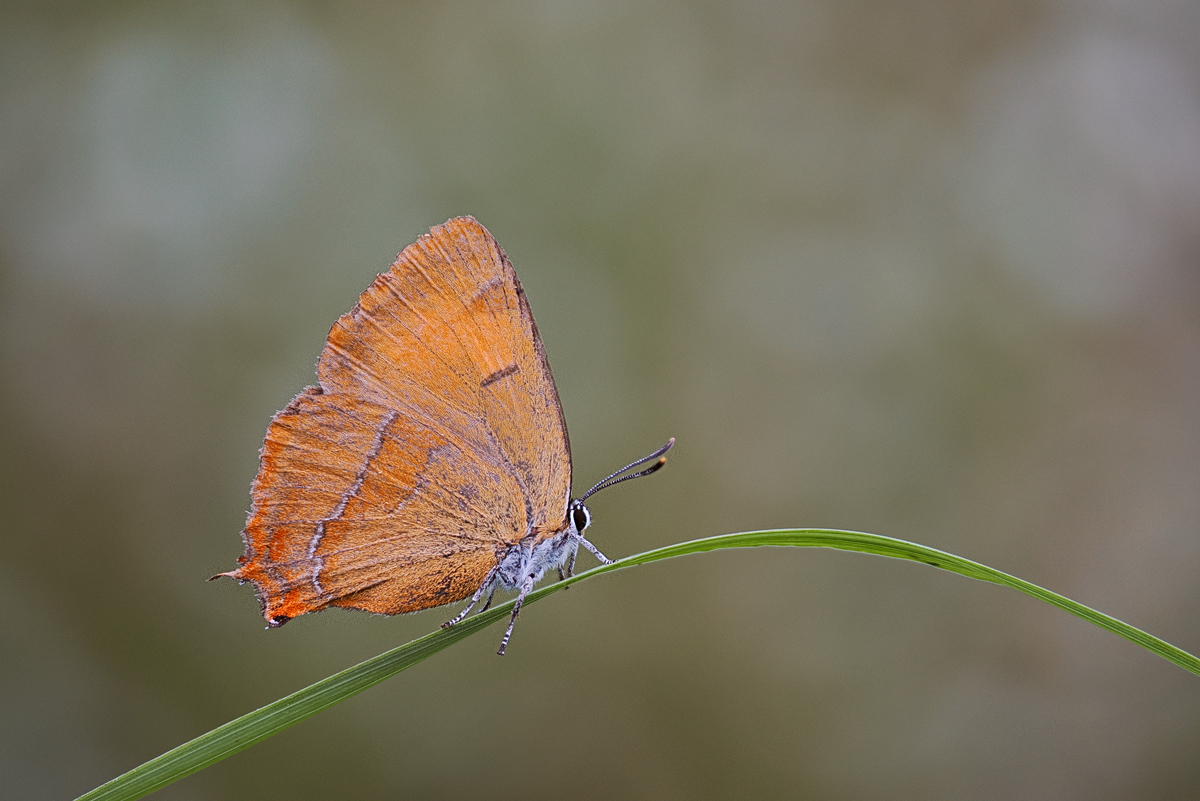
927, 270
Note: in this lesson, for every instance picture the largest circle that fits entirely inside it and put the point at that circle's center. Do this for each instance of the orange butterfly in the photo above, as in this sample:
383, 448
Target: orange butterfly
431, 463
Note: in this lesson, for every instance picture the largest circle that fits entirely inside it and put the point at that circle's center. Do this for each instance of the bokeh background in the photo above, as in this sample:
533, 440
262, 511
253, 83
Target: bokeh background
923, 269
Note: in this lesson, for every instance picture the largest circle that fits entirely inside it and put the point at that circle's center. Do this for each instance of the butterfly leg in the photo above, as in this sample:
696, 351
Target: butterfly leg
512, 621
603, 559
487, 584
568, 571
489, 600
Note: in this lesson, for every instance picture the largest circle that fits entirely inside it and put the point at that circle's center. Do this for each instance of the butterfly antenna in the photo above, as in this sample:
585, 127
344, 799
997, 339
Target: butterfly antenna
624, 475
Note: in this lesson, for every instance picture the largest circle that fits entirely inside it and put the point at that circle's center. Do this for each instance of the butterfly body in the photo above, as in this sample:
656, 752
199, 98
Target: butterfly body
530, 561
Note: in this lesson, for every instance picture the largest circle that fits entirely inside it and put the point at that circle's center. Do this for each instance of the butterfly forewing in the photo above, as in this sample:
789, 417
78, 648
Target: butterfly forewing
433, 444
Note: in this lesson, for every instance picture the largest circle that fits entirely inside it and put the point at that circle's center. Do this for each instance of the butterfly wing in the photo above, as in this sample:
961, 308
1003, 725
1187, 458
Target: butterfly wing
434, 442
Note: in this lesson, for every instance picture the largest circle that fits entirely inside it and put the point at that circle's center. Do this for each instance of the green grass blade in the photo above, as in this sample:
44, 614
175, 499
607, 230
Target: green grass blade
275, 717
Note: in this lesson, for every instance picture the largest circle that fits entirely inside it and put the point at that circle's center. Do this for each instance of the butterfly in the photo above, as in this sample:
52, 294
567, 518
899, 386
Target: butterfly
431, 462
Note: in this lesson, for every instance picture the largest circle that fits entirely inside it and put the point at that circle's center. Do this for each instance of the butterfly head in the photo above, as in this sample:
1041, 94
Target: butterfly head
580, 517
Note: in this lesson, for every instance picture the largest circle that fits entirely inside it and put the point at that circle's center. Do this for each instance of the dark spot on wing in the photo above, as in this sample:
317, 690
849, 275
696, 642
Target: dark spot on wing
501, 373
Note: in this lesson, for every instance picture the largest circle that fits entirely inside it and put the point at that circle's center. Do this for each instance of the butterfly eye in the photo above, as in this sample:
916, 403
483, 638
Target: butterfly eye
580, 516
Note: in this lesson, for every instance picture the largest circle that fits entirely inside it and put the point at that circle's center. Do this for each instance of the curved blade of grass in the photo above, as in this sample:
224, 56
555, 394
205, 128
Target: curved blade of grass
260, 724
